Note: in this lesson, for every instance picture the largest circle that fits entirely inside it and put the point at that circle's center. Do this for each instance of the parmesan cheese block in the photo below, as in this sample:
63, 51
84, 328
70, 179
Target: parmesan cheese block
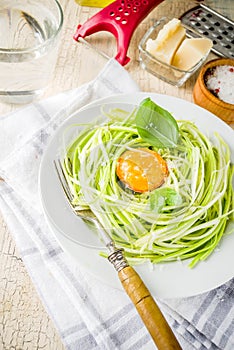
167, 42
190, 52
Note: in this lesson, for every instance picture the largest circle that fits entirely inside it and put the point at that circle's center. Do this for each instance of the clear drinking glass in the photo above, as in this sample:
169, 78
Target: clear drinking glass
28, 47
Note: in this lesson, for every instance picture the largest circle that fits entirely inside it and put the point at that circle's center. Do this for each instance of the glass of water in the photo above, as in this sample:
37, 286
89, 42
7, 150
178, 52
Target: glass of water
28, 47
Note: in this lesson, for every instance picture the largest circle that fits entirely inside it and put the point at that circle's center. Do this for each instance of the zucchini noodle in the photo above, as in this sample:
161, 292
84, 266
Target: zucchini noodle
188, 225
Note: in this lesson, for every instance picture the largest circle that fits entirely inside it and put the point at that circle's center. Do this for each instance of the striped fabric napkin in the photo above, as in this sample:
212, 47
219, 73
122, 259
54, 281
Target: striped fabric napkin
88, 314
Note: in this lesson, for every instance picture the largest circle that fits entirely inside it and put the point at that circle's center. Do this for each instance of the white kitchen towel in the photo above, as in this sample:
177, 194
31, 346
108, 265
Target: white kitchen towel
88, 314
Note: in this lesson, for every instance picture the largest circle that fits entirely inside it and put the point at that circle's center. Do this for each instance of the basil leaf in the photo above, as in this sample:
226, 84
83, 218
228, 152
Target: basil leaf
156, 126
157, 202
164, 196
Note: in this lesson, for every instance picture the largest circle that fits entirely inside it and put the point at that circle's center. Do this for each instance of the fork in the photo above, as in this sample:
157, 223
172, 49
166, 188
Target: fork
146, 306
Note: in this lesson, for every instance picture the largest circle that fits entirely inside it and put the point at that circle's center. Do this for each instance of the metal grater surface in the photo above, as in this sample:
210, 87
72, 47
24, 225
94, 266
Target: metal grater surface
202, 20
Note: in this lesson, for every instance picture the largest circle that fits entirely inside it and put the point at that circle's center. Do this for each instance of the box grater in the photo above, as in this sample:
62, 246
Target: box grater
202, 20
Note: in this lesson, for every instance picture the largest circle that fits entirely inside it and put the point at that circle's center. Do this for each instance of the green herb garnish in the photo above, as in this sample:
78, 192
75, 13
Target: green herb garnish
164, 196
156, 126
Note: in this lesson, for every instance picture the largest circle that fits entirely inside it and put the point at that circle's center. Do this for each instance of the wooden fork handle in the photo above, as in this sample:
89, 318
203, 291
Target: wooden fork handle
148, 310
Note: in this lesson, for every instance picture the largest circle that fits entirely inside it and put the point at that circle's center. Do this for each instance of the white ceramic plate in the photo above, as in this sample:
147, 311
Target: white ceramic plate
167, 280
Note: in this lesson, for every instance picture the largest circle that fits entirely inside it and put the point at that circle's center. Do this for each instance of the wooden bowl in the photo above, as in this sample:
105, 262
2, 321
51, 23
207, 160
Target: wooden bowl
204, 98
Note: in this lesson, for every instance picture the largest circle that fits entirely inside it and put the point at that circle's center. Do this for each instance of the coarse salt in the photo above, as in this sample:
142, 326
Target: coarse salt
220, 81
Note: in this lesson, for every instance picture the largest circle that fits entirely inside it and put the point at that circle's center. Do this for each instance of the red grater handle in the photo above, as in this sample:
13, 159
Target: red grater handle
120, 18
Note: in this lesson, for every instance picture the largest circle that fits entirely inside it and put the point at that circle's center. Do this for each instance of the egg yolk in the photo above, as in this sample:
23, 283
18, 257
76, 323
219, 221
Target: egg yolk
141, 169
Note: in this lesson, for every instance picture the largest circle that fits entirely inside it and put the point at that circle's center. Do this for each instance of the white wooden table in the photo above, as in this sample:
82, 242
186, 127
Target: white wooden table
24, 324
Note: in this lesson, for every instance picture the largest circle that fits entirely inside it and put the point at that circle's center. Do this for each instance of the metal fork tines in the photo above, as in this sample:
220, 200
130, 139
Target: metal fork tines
85, 214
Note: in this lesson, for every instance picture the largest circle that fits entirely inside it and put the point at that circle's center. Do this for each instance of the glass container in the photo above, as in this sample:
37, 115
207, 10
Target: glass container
162, 70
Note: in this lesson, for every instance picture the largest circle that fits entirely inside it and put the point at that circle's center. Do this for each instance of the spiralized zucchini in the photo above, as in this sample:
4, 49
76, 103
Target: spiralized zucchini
185, 218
